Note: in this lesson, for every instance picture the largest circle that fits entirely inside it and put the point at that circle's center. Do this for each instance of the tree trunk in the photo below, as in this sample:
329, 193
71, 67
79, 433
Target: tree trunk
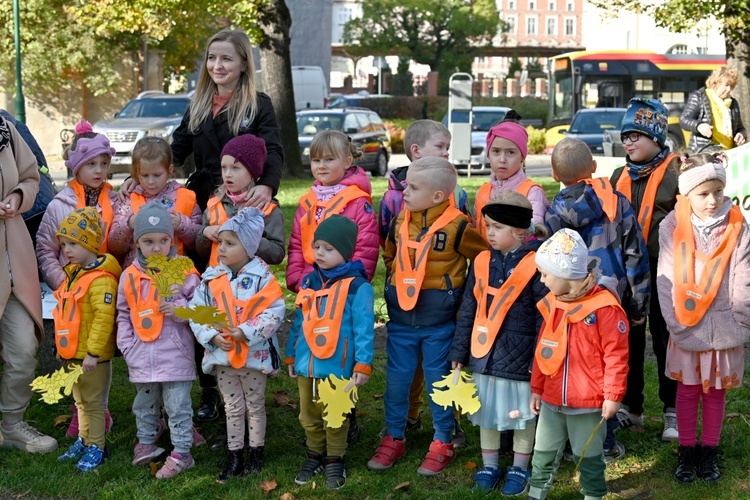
738, 54
275, 60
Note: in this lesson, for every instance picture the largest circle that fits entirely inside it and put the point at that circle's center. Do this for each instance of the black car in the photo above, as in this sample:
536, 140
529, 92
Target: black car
364, 126
590, 125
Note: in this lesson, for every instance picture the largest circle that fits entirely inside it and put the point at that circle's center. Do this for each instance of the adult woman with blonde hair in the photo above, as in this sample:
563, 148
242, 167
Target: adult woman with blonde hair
713, 116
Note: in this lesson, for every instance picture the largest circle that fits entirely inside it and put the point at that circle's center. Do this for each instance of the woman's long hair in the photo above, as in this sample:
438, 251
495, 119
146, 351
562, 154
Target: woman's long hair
244, 101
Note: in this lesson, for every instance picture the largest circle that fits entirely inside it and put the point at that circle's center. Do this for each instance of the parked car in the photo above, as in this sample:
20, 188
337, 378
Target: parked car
310, 87
483, 119
363, 125
151, 113
590, 125
361, 100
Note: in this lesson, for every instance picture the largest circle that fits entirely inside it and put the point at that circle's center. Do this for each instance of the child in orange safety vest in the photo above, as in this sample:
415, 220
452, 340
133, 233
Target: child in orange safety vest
332, 335
495, 336
245, 352
84, 326
580, 365
157, 346
704, 293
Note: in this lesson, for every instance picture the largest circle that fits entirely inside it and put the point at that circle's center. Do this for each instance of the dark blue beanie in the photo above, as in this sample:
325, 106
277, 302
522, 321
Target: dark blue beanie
648, 117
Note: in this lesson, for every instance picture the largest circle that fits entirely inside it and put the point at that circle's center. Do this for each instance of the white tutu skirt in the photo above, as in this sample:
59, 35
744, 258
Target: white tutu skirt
505, 403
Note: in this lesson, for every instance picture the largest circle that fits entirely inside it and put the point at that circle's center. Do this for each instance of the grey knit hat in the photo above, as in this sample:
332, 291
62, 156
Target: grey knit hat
564, 255
248, 224
153, 218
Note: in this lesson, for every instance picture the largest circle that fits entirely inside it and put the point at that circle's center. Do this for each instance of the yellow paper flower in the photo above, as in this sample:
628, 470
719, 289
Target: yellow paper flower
460, 390
167, 272
204, 315
49, 386
337, 401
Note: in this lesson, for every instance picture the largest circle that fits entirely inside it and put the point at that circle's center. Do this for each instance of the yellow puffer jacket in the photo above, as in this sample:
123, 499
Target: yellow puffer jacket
99, 308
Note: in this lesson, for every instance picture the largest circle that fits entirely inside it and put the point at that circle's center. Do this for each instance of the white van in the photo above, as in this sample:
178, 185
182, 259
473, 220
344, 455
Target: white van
310, 89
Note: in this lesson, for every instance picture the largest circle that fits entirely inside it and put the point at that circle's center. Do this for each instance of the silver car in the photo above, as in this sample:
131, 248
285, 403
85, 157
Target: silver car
152, 113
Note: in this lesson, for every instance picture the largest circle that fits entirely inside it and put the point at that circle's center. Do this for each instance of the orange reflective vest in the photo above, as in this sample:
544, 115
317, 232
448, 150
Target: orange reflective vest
221, 289
646, 211
104, 203
144, 311
217, 215
606, 195
322, 332
407, 278
552, 346
691, 299
308, 221
487, 326
184, 205
483, 197
68, 312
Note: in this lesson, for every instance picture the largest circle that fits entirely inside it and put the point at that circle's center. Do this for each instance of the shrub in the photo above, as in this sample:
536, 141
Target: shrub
536, 140
397, 137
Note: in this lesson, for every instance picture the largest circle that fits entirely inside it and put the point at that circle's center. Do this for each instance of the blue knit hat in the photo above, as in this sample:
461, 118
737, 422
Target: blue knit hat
648, 117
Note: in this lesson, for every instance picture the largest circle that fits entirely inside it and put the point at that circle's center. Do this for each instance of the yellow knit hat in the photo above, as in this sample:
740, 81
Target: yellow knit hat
83, 227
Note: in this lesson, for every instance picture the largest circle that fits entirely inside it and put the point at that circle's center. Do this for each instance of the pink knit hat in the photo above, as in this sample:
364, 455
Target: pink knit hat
86, 149
249, 151
514, 132
694, 177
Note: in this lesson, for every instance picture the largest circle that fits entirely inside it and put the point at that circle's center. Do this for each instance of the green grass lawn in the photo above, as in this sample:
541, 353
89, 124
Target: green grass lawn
645, 472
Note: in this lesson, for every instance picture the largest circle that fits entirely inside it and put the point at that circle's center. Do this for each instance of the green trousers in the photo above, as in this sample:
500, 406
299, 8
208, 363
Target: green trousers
320, 437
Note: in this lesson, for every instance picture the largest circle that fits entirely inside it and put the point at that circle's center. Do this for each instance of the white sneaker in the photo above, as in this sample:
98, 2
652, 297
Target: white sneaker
25, 437
670, 426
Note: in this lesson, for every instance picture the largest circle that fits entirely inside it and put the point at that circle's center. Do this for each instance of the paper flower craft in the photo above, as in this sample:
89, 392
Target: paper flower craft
460, 390
49, 386
338, 396
204, 315
167, 272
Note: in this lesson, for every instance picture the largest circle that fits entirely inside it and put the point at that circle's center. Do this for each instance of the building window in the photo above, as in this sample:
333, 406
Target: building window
531, 25
551, 26
571, 6
570, 26
511, 4
512, 22
552, 6
532, 4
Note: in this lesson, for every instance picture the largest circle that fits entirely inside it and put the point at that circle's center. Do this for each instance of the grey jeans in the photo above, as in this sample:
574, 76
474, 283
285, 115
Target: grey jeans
178, 405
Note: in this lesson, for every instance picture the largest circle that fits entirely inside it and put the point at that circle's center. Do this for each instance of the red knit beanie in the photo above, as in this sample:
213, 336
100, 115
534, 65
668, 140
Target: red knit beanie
514, 132
249, 151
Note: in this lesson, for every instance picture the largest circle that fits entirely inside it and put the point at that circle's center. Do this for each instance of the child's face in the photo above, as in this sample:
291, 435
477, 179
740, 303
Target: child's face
558, 286
153, 175
231, 252
437, 145
235, 176
224, 65
76, 253
707, 198
419, 194
93, 173
501, 237
154, 244
642, 150
326, 256
329, 170
505, 158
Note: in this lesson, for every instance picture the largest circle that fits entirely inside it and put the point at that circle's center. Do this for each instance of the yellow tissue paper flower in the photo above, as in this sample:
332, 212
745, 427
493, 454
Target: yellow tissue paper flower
49, 386
204, 315
337, 400
460, 390
167, 272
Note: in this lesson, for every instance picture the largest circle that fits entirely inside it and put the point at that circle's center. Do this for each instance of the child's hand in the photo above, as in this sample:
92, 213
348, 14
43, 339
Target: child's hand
291, 371
176, 219
638, 321
456, 366
166, 308
360, 379
222, 343
89, 363
237, 334
535, 404
211, 233
609, 408
127, 187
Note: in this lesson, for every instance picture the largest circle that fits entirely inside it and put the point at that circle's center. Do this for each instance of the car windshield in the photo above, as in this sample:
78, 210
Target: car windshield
596, 122
311, 124
155, 108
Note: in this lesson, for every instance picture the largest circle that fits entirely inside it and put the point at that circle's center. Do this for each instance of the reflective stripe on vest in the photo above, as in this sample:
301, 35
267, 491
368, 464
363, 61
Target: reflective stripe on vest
606, 195
408, 278
691, 299
552, 346
322, 332
217, 215
483, 197
68, 312
144, 311
104, 203
309, 223
221, 289
184, 204
646, 210
487, 326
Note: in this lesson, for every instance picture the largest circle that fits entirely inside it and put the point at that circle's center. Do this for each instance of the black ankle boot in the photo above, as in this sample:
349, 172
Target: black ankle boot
708, 465
254, 461
352, 435
234, 466
685, 473
210, 405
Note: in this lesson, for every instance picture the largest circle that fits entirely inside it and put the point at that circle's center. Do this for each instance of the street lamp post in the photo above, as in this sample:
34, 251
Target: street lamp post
20, 110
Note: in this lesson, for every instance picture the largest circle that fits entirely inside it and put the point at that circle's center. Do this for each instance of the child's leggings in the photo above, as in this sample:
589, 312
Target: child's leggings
87, 392
147, 409
714, 402
244, 393
523, 439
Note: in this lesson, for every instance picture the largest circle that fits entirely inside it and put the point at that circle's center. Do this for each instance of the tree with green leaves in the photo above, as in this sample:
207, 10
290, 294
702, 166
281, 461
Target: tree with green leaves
446, 35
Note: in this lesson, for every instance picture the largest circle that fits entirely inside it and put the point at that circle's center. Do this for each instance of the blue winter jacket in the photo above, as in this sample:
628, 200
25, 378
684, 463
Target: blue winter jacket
355, 348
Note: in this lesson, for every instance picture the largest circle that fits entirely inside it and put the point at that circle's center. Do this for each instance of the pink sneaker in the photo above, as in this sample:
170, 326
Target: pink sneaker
72, 432
174, 465
145, 453
198, 439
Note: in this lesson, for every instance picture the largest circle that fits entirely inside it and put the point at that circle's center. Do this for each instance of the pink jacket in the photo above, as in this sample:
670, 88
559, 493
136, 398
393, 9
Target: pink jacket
727, 321
360, 211
48, 252
120, 242
537, 196
169, 358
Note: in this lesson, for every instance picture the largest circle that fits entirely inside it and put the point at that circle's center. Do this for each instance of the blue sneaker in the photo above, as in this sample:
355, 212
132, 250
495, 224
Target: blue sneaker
486, 479
75, 452
516, 482
92, 459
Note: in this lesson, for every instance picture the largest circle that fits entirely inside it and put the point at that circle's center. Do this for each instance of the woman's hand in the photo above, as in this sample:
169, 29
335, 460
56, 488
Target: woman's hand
211, 233
127, 187
705, 129
739, 139
9, 206
259, 197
